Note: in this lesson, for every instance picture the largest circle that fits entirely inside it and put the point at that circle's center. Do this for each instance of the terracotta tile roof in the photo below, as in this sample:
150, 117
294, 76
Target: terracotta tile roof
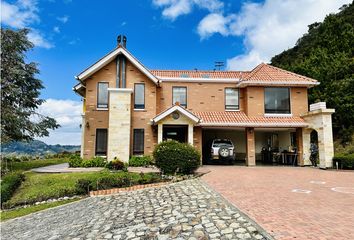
267, 73
198, 74
242, 120
263, 74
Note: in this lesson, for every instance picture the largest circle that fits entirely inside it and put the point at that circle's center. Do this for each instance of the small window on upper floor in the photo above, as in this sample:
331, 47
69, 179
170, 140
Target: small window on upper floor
179, 94
231, 99
277, 100
139, 96
102, 95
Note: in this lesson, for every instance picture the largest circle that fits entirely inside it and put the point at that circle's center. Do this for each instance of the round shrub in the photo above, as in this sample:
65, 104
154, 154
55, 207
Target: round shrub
115, 164
174, 157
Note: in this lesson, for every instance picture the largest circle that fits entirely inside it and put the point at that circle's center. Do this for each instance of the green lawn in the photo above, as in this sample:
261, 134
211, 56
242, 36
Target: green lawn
27, 165
43, 186
6, 215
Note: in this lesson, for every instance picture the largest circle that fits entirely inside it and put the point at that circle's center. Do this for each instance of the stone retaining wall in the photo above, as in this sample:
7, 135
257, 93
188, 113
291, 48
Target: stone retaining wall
126, 189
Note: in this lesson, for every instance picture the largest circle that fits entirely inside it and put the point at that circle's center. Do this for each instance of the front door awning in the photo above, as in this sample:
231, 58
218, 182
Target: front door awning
173, 109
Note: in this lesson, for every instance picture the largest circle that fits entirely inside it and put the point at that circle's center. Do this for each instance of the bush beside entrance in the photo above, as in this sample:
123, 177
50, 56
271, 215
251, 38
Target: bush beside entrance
345, 161
174, 157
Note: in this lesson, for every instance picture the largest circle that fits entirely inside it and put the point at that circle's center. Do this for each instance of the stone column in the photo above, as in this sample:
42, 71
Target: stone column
119, 124
190, 134
159, 132
319, 118
251, 149
299, 145
325, 142
306, 138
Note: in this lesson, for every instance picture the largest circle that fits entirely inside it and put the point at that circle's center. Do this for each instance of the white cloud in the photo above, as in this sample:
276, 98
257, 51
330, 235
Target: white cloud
68, 115
123, 24
56, 29
214, 23
63, 19
273, 26
38, 39
20, 14
172, 9
23, 14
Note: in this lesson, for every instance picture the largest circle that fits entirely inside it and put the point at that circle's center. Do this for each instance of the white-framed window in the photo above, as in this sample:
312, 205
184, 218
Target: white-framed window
139, 96
231, 99
179, 94
102, 95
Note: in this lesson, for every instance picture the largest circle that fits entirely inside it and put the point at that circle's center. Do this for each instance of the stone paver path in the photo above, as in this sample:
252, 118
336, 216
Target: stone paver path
290, 202
184, 210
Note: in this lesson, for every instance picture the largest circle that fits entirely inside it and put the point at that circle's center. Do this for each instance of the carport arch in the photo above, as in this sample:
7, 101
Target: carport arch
319, 120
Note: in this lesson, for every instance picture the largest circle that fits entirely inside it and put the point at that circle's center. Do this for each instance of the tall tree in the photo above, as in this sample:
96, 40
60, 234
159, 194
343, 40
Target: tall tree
326, 53
20, 90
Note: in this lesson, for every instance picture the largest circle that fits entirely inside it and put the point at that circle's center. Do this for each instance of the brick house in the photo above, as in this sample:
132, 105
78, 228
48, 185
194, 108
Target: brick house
128, 109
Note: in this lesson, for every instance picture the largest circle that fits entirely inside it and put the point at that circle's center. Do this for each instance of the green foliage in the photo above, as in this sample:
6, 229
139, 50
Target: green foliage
83, 186
76, 161
116, 164
44, 186
141, 161
9, 184
345, 161
175, 157
94, 162
326, 53
20, 91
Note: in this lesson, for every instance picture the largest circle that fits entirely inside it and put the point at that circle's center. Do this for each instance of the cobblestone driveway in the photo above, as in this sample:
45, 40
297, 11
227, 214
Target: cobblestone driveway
184, 210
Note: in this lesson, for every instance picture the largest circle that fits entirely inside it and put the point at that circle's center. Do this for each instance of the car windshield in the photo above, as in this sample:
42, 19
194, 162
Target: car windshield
219, 143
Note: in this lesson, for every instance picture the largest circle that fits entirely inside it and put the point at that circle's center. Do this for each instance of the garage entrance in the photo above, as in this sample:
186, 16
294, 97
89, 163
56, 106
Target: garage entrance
237, 137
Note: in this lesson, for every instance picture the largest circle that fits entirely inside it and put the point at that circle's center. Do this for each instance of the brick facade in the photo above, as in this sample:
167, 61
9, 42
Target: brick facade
206, 95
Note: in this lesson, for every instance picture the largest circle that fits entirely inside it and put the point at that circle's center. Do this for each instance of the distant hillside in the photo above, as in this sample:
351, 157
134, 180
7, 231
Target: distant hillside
35, 148
326, 53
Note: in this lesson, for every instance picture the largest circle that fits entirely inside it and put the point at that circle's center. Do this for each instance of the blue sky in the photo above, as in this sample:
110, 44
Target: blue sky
163, 34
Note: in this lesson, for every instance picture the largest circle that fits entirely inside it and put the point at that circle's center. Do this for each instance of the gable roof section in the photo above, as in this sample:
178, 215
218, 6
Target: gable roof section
240, 119
265, 74
111, 56
198, 74
172, 109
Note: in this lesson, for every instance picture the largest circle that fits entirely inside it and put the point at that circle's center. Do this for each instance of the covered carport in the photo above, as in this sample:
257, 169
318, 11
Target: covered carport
236, 135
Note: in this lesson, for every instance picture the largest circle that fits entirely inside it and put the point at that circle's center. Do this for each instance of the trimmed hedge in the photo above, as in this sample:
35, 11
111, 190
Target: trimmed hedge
345, 161
83, 186
141, 161
9, 184
174, 157
76, 161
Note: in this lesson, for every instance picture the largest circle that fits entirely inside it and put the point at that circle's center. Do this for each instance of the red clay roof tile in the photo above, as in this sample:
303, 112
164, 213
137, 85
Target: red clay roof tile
241, 119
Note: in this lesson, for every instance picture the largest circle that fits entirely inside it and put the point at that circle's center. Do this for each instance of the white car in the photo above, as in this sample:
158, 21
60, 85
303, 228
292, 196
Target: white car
222, 149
